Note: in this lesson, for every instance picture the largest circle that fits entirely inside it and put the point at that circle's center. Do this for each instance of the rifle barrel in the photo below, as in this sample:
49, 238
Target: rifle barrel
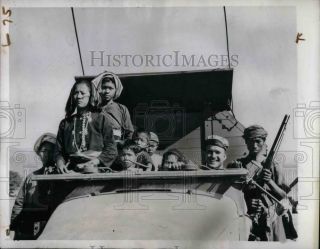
265, 191
277, 140
280, 131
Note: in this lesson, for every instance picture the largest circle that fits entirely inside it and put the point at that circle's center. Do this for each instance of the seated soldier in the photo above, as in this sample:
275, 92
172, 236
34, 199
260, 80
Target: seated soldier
174, 159
216, 147
152, 148
32, 195
141, 139
127, 158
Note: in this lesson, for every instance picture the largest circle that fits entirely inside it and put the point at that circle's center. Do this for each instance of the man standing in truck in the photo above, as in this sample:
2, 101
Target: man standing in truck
267, 225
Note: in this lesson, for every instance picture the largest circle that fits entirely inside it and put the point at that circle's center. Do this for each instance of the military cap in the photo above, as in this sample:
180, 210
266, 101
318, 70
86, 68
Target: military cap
153, 137
217, 141
254, 131
46, 137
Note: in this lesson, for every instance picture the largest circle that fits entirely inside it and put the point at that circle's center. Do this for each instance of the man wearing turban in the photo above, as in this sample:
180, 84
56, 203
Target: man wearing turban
264, 227
110, 87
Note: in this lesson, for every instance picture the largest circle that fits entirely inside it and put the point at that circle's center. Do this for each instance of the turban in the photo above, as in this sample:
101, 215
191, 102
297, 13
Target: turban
217, 141
254, 131
46, 137
97, 81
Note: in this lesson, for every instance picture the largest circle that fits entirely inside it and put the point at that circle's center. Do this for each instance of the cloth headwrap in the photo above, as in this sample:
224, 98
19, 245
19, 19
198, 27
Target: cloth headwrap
217, 141
46, 137
97, 81
255, 131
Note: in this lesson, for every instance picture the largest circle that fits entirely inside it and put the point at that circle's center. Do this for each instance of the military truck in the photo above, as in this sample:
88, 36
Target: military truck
183, 108
173, 205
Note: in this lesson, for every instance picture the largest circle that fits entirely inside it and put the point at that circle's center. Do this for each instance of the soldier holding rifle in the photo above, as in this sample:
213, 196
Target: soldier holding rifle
265, 225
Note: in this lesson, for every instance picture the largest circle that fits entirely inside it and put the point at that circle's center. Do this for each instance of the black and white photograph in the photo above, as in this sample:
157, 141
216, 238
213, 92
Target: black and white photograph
159, 124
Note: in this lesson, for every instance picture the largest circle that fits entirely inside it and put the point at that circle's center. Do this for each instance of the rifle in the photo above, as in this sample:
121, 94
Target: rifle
253, 167
280, 209
277, 142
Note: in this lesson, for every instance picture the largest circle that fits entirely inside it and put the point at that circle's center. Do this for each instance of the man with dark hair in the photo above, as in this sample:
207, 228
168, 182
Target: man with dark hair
127, 158
266, 226
174, 159
141, 139
152, 148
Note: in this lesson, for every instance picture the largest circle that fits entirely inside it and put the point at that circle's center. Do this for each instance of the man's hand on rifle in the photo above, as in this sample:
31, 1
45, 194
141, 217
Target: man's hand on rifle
257, 206
266, 175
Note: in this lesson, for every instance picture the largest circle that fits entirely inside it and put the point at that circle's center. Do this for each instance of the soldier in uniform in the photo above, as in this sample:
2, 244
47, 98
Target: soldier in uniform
266, 226
216, 148
33, 197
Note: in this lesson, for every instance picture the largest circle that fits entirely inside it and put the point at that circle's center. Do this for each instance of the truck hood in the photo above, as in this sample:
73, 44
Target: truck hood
144, 216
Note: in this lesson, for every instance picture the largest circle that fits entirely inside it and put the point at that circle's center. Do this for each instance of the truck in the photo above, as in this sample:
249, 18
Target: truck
172, 205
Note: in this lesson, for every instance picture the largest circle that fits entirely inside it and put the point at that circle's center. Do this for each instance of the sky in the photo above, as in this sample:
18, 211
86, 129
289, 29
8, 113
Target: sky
44, 56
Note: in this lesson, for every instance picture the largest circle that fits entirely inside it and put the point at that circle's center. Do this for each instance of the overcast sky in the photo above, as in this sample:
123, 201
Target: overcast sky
44, 57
